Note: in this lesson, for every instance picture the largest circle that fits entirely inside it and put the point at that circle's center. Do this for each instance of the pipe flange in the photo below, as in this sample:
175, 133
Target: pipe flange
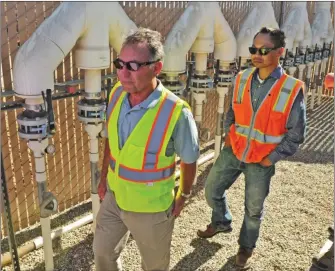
289, 63
91, 111
32, 127
201, 83
92, 96
318, 55
299, 59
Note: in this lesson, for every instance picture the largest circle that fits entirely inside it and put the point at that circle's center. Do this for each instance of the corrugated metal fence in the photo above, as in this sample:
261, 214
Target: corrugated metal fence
68, 171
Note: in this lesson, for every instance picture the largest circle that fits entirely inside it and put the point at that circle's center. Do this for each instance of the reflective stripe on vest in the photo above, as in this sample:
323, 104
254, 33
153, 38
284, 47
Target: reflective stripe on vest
285, 94
242, 83
157, 134
113, 100
143, 176
149, 171
258, 135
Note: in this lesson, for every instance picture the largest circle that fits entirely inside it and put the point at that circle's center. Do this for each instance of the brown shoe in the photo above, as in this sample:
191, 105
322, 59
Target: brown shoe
243, 258
211, 231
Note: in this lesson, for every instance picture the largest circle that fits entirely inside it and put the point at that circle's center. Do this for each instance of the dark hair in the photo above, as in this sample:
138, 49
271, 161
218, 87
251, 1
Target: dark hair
151, 38
277, 36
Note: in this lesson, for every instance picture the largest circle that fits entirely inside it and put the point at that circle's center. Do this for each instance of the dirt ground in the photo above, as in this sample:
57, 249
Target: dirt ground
299, 210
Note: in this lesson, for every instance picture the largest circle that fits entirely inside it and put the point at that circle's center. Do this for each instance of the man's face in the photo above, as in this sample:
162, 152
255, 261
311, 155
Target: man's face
272, 58
140, 80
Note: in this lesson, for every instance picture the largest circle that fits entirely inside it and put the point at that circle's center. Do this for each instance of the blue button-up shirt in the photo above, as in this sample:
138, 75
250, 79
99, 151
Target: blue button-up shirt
296, 124
184, 140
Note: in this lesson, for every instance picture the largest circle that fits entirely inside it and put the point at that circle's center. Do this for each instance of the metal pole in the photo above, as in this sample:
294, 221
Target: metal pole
8, 220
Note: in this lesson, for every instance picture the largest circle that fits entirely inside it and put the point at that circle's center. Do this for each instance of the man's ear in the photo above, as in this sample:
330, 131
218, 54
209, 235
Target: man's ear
158, 67
281, 51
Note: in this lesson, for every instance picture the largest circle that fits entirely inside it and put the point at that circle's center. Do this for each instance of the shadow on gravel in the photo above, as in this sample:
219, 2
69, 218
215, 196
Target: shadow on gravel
319, 143
230, 265
203, 251
60, 220
78, 257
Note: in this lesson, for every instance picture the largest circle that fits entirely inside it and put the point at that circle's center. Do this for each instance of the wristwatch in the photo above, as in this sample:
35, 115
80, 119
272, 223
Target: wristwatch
185, 195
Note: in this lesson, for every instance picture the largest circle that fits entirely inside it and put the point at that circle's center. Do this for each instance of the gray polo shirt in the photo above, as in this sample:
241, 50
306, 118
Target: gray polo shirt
184, 140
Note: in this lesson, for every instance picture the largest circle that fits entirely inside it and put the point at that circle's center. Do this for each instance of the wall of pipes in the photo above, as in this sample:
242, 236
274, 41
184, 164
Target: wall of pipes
216, 53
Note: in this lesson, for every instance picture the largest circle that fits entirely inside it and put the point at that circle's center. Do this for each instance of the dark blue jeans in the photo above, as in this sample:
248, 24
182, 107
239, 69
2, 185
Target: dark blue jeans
223, 174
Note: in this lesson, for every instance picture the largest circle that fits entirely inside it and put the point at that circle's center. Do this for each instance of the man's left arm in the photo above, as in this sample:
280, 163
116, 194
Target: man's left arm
296, 126
186, 145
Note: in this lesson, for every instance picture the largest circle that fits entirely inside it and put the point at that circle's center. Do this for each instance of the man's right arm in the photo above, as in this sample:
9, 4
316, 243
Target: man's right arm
230, 118
102, 187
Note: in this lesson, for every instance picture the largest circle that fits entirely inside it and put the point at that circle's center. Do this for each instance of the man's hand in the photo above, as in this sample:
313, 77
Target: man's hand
102, 188
266, 162
227, 141
178, 205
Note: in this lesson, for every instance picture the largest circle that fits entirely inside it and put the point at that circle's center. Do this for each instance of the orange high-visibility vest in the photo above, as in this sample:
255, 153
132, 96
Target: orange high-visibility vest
254, 135
329, 81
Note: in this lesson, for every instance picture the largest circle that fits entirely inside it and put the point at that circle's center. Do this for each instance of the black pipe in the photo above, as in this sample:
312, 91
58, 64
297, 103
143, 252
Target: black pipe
51, 116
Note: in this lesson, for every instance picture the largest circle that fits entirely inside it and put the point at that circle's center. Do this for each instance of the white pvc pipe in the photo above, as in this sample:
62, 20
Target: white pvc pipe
199, 99
322, 26
301, 71
200, 62
222, 91
225, 45
297, 28
70, 227
181, 37
308, 78
46, 237
292, 70
38, 148
95, 209
261, 14
92, 81
93, 132
95, 25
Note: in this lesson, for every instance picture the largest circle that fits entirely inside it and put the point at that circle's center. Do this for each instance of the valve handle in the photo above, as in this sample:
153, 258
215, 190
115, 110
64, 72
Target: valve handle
51, 116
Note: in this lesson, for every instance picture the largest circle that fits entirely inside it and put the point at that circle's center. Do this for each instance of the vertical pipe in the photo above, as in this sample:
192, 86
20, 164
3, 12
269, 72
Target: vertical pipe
218, 134
38, 147
308, 79
47, 247
92, 81
322, 72
315, 82
92, 89
200, 63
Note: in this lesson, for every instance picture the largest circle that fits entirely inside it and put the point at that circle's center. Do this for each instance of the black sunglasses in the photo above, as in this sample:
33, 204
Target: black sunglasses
261, 51
131, 65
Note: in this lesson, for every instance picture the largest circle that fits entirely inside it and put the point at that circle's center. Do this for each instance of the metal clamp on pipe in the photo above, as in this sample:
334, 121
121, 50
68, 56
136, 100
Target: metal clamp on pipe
173, 83
91, 111
49, 204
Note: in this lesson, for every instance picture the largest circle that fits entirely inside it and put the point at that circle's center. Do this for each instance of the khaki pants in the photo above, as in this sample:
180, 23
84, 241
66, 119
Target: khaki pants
151, 231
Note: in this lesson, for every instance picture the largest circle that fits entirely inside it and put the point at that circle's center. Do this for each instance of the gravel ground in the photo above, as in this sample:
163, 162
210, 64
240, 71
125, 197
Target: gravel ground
299, 210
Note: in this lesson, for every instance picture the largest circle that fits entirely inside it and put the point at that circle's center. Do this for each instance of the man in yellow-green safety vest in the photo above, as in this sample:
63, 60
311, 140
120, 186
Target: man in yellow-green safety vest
147, 127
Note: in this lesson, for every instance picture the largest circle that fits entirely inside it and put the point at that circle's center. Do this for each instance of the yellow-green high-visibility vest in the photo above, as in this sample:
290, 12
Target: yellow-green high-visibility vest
140, 174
